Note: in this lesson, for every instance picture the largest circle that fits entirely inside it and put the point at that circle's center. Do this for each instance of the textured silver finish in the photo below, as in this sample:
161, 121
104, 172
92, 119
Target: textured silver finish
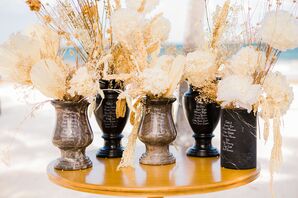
157, 130
72, 135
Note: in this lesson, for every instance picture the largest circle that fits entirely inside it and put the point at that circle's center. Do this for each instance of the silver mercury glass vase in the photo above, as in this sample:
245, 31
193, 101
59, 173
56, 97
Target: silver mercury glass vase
157, 130
72, 135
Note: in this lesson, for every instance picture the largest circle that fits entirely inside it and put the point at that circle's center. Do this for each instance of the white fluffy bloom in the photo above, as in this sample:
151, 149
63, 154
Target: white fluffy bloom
155, 81
17, 59
278, 94
200, 66
163, 76
162, 62
142, 5
49, 77
279, 30
245, 62
23, 50
83, 84
160, 28
126, 21
48, 39
238, 91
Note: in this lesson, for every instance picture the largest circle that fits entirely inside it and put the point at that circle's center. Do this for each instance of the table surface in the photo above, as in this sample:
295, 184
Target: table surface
188, 176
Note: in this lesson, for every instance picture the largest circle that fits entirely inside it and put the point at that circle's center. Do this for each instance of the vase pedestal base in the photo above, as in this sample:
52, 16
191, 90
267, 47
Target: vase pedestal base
198, 152
157, 155
73, 160
110, 153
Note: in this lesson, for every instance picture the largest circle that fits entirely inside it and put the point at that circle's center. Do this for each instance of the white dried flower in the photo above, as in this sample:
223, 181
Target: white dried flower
144, 6
278, 94
238, 91
246, 62
17, 59
162, 62
48, 39
155, 81
160, 29
279, 30
163, 76
25, 49
50, 77
83, 84
200, 66
124, 22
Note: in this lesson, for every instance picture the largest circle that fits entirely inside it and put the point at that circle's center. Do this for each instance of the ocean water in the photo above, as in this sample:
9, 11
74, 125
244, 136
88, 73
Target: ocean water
289, 55
285, 56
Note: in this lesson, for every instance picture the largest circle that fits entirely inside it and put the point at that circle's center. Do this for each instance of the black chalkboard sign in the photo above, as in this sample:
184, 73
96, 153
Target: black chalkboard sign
238, 139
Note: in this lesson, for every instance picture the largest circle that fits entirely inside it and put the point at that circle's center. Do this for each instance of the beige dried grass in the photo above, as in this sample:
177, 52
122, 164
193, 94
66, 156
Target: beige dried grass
220, 24
127, 159
120, 108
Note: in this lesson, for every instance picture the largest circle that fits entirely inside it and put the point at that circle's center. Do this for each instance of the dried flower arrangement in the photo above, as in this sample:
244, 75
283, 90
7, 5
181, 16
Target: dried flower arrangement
258, 88
146, 73
43, 67
202, 65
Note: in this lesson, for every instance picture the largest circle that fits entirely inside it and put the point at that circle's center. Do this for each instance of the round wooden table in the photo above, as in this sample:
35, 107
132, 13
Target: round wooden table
188, 176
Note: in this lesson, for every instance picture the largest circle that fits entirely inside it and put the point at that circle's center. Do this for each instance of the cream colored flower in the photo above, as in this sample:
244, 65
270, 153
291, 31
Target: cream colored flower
155, 81
83, 84
25, 49
124, 22
246, 62
17, 56
279, 30
163, 76
48, 39
50, 78
160, 29
200, 66
278, 94
238, 91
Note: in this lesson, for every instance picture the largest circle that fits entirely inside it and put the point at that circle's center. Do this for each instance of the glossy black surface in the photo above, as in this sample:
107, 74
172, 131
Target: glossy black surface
111, 126
238, 139
203, 119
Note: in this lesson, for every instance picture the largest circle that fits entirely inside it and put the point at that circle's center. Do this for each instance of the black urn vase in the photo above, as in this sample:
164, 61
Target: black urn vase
238, 139
203, 119
111, 126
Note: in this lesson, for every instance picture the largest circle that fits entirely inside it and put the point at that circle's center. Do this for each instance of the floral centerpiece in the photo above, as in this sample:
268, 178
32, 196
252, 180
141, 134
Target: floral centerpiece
99, 33
248, 80
201, 72
150, 75
69, 85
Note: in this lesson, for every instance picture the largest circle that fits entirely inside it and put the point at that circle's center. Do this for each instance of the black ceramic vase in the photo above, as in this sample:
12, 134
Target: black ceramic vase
203, 119
238, 139
157, 130
111, 126
72, 135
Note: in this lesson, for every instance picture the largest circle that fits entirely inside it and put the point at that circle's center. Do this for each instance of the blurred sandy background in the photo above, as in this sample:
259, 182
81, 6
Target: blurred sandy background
26, 148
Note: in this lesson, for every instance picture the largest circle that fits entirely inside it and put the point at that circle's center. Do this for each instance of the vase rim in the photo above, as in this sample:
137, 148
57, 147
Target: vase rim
64, 102
237, 109
158, 101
